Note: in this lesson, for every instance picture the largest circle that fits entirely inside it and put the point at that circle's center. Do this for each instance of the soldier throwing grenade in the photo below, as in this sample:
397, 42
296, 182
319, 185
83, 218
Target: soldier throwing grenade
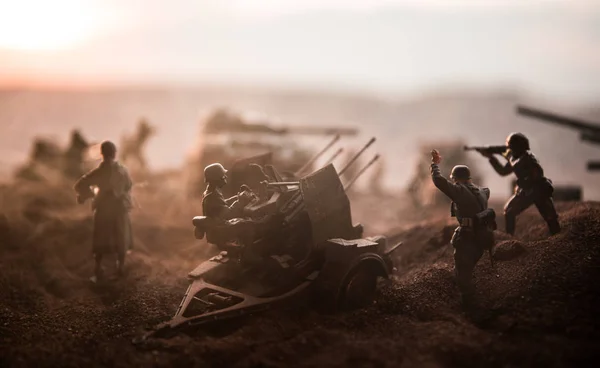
532, 186
475, 222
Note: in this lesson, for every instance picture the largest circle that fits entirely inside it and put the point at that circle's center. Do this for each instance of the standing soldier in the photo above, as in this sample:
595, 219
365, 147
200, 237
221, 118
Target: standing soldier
475, 222
532, 186
111, 205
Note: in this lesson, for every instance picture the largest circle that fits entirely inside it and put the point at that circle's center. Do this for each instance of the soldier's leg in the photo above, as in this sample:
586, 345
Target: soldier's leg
515, 205
466, 257
98, 272
548, 211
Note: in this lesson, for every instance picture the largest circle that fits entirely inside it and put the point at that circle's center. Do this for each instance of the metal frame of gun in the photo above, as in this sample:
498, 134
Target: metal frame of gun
295, 204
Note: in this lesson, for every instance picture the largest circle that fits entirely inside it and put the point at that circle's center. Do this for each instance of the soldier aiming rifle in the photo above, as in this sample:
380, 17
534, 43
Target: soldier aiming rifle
532, 186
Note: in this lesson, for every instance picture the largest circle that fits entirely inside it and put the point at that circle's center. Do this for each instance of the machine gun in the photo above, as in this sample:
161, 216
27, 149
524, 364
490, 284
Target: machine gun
321, 253
487, 149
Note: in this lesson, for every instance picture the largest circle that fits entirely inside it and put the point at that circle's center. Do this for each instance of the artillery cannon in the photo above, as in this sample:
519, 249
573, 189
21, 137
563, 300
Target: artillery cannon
590, 132
299, 239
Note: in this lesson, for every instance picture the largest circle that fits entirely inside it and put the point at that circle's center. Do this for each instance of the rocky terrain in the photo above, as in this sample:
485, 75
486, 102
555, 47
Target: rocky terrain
537, 307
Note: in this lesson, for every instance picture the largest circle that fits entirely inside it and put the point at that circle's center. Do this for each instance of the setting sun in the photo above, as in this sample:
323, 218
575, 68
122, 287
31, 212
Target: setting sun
45, 25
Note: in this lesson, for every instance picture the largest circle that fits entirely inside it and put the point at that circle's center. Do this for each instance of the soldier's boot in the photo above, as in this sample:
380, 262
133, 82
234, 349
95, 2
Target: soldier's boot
98, 270
120, 265
553, 226
510, 221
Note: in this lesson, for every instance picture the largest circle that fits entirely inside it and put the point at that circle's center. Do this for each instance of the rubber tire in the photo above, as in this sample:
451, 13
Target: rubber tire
359, 288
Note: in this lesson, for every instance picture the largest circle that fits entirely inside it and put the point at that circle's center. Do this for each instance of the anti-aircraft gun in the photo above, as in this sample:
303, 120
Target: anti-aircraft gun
300, 239
226, 136
590, 132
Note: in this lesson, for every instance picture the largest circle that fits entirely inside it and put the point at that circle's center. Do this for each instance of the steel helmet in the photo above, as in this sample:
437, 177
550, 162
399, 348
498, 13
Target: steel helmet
214, 172
461, 172
517, 142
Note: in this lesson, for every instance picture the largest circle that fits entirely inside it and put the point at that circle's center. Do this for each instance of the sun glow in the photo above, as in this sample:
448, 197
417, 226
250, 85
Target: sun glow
45, 24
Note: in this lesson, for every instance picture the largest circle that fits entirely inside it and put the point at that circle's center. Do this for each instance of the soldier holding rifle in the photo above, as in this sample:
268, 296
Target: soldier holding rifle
532, 186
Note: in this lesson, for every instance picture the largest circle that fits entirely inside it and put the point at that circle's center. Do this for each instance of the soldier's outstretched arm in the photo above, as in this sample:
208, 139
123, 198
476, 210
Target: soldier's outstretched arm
502, 170
230, 201
444, 185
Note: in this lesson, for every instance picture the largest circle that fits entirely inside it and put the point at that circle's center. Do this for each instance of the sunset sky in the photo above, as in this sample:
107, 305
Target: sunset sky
550, 48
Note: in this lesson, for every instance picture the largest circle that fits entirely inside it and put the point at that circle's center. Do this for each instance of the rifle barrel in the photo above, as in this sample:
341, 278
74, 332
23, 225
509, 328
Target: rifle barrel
357, 156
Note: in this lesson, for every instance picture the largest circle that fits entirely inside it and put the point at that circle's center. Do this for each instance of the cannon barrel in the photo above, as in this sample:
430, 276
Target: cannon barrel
557, 119
361, 172
335, 155
593, 166
371, 141
318, 155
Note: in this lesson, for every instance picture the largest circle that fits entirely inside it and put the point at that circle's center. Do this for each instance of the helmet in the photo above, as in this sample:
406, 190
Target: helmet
108, 149
214, 172
517, 142
461, 172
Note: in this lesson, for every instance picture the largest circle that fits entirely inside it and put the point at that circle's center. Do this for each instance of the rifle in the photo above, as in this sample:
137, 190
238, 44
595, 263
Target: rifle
487, 149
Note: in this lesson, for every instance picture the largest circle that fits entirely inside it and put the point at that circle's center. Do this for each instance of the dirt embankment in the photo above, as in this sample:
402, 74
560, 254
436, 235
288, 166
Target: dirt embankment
537, 308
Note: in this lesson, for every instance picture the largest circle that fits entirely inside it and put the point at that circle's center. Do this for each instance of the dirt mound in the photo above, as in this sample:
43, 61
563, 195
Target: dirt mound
537, 307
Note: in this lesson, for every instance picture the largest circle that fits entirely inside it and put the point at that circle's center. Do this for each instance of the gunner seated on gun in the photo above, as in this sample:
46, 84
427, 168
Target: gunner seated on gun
224, 224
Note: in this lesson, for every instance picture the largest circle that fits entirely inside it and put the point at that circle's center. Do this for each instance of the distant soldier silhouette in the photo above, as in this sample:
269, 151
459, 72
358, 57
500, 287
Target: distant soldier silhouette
132, 146
532, 186
111, 205
476, 222
74, 156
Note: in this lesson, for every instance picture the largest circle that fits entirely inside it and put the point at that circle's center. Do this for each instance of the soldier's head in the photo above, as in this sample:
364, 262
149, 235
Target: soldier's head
517, 142
460, 174
108, 150
215, 174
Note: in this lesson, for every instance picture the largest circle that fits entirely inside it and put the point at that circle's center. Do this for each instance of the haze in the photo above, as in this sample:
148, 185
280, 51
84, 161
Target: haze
549, 48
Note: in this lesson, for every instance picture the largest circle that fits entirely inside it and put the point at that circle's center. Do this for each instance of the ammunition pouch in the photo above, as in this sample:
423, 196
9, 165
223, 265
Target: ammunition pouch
453, 209
486, 218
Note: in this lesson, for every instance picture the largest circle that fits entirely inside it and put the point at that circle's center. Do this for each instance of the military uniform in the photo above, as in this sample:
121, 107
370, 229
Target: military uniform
471, 237
215, 206
112, 226
532, 188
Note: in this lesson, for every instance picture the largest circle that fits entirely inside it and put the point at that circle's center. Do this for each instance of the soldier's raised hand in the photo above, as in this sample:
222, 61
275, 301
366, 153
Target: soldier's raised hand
435, 157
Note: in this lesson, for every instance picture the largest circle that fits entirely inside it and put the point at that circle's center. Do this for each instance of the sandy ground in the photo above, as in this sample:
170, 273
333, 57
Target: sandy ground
537, 308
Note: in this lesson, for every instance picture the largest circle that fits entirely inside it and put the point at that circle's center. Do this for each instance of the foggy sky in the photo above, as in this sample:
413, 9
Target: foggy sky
549, 48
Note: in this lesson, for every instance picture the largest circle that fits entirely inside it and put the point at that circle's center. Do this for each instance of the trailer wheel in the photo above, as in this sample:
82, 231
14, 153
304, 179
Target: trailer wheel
360, 286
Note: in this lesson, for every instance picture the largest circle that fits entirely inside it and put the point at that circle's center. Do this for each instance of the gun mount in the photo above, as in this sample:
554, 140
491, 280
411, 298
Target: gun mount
299, 239
589, 131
